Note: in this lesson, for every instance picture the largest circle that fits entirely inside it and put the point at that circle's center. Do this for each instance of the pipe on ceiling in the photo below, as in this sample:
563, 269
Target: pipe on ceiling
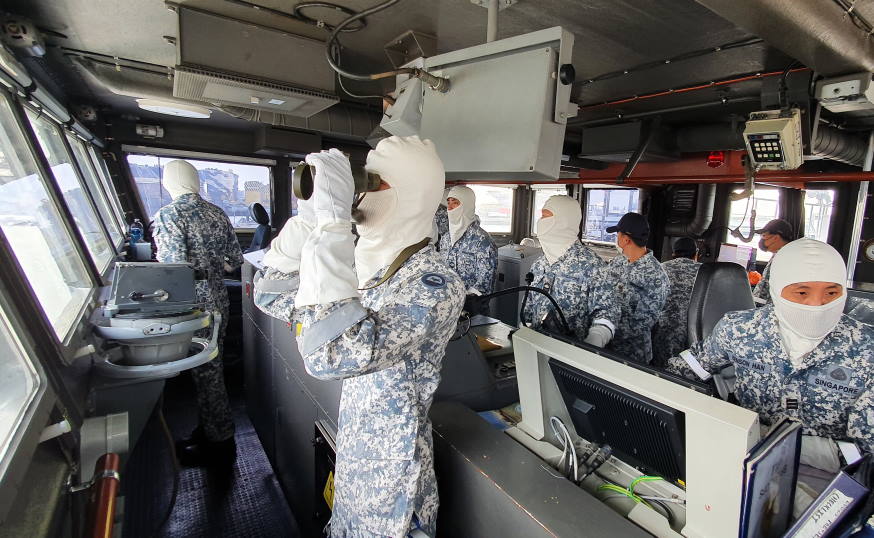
815, 32
837, 145
698, 224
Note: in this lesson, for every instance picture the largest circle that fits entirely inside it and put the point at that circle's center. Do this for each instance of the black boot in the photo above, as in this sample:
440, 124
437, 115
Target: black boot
196, 437
217, 454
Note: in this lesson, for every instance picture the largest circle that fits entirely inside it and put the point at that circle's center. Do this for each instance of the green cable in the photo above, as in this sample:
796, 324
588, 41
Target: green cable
623, 491
640, 479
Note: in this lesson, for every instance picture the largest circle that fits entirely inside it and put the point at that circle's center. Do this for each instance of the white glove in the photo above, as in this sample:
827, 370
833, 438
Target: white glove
820, 452
599, 335
529, 242
285, 249
334, 186
326, 273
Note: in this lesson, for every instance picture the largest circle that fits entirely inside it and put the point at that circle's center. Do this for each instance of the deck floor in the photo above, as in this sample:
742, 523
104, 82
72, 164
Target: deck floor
247, 503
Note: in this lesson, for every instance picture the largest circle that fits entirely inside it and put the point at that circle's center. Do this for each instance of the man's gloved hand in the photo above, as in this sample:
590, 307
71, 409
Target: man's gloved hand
599, 335
820, 452
285, 249
333, 186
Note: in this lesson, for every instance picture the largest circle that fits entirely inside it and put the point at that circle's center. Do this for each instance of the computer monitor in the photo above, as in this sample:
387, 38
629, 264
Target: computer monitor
715, 435
642, 432
743, 255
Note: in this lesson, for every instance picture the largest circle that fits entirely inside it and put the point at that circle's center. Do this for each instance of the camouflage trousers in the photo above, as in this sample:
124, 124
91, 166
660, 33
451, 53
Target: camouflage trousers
213, 406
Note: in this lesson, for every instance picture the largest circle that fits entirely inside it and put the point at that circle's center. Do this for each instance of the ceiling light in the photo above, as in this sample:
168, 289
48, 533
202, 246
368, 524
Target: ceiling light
172, 108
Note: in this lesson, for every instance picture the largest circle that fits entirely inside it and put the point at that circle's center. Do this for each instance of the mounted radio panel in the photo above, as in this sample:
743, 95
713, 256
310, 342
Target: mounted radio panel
773, 139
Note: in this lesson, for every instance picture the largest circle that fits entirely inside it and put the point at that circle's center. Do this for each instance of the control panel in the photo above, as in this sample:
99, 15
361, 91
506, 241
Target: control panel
773, 139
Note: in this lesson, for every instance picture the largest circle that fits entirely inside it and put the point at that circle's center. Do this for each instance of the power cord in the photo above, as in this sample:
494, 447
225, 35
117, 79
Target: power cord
478, 304
176, 469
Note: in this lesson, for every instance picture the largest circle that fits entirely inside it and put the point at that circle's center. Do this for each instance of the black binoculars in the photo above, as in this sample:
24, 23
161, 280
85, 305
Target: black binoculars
302, 180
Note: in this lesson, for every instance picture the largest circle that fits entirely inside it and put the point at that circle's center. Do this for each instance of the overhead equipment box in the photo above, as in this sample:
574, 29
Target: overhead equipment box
227, 62
505, 114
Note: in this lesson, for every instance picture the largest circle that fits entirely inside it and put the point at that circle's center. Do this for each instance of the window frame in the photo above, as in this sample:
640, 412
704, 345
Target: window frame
25, 439
17, 108
513, 192
110, 221
106, 179
760, 221
164, 153
585, 207
835, 209
101, 271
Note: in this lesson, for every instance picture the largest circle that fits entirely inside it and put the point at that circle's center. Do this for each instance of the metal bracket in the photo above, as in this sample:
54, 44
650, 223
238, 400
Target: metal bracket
502, 4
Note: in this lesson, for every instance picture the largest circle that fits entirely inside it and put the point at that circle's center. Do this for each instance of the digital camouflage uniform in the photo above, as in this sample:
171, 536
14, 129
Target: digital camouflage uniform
640, 290
831, 393
190, 229
572, 282
388, 348
474, 257
275, 291
670, 335
762, 291
441, 222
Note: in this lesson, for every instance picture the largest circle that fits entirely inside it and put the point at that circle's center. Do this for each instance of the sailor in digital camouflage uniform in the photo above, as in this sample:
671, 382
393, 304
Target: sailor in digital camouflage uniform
775, 235
799, 357
441, 220
190, 229
670, 336
468, 249
640, 287
387, 341
567, 271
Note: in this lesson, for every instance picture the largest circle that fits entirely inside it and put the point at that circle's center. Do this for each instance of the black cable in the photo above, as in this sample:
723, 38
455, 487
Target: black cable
781, 97
487, 297
529, 279
436, 83
176, 470
343, 87
335, 65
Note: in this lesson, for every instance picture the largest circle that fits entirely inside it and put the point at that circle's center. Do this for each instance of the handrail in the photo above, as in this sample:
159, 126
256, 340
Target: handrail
102, 496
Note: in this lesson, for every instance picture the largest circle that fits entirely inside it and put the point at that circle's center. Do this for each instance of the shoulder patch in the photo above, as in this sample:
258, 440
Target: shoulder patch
433, 280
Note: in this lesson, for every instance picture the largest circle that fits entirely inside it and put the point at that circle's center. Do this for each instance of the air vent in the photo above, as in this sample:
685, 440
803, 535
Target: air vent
225, 89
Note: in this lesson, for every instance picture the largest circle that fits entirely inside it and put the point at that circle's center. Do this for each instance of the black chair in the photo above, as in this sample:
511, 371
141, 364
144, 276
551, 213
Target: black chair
720, 287
263, 234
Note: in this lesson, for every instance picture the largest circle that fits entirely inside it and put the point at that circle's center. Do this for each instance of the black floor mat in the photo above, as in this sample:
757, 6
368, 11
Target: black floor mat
252, 504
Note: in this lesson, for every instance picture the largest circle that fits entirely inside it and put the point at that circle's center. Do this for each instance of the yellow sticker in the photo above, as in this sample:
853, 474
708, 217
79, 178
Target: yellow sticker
298, 328
328, 492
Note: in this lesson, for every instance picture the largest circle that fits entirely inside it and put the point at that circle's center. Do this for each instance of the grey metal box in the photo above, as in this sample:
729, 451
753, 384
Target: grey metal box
514, 262
504, 116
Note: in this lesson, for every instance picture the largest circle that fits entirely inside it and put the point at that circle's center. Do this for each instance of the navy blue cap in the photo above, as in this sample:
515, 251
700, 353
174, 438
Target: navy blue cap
632, 224
685, 246
778, 227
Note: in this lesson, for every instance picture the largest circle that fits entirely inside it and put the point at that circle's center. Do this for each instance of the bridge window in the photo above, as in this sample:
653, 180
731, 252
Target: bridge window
542, 193
766, 202
231, 186
106, 181
494, 206
818, 207
35, 231
70, 183
604, 208
92, 180
20, 385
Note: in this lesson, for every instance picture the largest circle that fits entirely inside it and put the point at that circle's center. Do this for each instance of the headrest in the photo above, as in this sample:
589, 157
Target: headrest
259, 214
720, 287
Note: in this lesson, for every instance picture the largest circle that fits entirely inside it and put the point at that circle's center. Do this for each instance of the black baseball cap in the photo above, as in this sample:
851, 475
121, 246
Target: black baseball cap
685, 246
778, 227
632, 224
